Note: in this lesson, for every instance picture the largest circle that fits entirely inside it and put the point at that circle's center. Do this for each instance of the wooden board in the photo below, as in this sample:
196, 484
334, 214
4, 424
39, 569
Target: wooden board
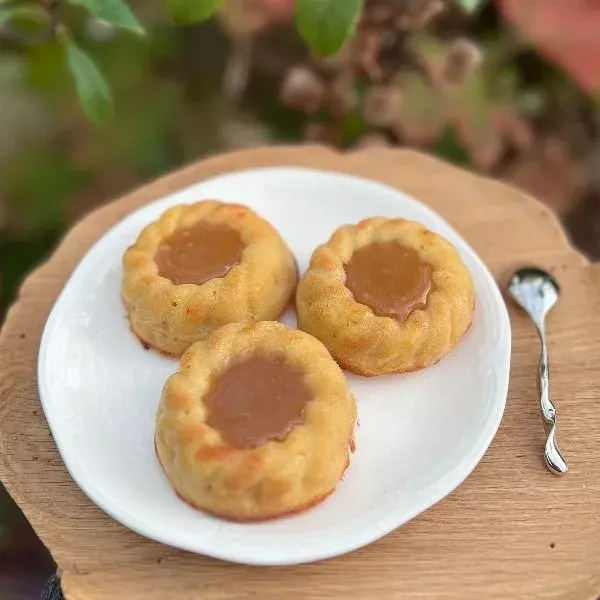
512, 530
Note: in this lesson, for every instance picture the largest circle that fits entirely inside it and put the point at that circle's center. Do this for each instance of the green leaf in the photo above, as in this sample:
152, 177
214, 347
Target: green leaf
191, 11
327, 24
115, 12
470, 5
92, 90
25, 12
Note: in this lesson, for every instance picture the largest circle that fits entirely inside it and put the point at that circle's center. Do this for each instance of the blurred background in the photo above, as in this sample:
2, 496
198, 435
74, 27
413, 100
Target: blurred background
508, 88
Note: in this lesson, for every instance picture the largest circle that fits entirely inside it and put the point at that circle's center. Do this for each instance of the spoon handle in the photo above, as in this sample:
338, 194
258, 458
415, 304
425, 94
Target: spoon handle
554, 459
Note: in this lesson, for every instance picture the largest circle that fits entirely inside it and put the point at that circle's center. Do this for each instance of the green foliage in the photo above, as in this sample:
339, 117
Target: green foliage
470, 5
326, 24
92, 90
115, 12
41, 187
26, 12
18, 255
352, 127
449, 147
190, 11
46, 72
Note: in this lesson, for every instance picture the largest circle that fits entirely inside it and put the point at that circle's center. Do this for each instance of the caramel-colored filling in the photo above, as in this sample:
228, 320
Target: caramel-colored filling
257, 399
389, 278
202, 252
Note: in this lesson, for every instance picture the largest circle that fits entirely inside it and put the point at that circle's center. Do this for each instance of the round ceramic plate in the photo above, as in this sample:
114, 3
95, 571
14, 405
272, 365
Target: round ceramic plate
419, 435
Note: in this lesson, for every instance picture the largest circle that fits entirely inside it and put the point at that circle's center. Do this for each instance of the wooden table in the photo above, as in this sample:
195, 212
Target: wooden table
511, 530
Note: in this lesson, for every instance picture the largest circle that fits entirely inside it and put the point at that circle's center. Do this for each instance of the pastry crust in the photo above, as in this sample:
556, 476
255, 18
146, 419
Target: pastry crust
171, 317
364, 342
275, 478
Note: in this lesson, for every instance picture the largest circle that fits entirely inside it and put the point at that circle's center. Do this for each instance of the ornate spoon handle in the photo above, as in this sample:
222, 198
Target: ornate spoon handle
554, 459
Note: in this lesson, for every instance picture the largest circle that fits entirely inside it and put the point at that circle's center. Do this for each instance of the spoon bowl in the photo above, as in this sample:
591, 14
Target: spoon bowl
535, 291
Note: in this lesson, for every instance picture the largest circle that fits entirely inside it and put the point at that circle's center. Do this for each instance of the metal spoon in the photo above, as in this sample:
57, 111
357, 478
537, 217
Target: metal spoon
536, 292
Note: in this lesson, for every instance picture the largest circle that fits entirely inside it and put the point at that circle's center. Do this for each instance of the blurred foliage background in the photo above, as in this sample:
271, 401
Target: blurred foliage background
510, 90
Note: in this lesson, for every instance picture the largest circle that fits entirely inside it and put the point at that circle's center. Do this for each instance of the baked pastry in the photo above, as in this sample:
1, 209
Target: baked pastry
257, 423
386, 296
202, 266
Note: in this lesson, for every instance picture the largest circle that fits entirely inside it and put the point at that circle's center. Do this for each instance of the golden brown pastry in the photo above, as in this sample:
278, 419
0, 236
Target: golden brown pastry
257, 423
386, 296
200, 267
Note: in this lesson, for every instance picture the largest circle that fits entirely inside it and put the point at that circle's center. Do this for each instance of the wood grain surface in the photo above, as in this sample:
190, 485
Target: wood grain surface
511, 530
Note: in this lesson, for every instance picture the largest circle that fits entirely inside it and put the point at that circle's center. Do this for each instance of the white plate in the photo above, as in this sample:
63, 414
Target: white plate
420, 435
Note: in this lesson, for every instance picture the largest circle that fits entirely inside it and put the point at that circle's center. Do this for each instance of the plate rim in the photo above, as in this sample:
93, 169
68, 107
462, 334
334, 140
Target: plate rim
460, 472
